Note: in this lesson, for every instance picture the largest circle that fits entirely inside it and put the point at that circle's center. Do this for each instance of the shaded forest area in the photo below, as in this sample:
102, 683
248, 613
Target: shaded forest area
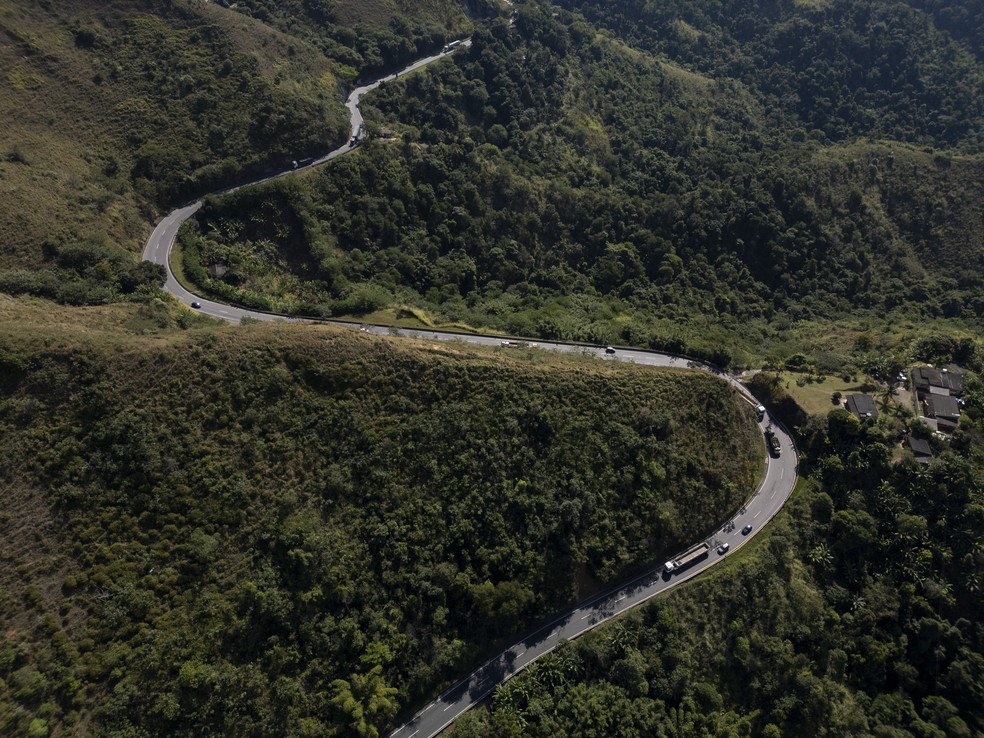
834, 70
299, 531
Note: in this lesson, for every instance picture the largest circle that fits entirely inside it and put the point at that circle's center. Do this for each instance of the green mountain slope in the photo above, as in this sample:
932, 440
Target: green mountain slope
553, 181
111, 107
833, 69
204, 531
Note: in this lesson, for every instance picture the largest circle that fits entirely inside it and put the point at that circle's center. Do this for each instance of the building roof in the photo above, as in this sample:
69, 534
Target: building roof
863, 406
926, 377
939, 406
955, 382
919, 446
923, 377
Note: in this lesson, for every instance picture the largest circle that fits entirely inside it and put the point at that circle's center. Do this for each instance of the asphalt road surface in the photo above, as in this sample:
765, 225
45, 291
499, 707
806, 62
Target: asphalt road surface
776, 486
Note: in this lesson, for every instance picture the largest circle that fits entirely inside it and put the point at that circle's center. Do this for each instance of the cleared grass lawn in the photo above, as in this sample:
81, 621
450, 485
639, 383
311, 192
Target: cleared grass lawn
815, 397
412, 319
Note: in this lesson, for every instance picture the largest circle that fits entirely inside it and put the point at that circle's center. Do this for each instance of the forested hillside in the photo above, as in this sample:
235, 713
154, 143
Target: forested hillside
272, 530
834, 69
111, 107
556, 181
857, 614
369, 36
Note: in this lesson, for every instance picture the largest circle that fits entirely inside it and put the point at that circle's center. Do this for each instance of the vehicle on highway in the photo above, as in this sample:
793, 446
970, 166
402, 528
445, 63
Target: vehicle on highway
760, 411
746, 530
517, 344
609, 350
196, 305
684, 560
772, 440
452, 46
723, 549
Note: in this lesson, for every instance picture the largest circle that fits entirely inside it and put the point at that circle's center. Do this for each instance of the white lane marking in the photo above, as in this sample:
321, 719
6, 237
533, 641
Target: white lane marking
585, 616
448, 707
428, 707
781, 472
756, 515
414, 732
621, 598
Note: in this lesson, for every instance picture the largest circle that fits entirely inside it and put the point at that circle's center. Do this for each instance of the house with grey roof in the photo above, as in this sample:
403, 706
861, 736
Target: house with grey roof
863, 406
927, 380
920, 449
944, 409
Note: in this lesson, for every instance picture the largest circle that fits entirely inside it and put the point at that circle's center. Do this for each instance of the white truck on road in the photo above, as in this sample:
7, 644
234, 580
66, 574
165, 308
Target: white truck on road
684, 560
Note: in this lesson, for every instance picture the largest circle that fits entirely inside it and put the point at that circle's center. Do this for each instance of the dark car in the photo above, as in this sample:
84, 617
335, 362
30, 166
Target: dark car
723, 549
746, 530
196, 305
609, 350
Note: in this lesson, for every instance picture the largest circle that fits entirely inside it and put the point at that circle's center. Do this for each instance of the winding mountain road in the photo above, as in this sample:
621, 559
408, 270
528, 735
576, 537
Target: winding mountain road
773, 491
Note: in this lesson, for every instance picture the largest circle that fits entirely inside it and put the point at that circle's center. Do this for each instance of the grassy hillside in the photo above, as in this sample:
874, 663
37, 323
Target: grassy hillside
227, 531
373, 16
114, 107
114, 111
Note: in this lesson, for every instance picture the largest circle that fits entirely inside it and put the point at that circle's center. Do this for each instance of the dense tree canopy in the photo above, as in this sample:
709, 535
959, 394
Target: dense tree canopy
299, 531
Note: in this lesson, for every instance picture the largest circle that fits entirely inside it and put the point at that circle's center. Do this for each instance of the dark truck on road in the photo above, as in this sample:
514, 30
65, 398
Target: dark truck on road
772, 440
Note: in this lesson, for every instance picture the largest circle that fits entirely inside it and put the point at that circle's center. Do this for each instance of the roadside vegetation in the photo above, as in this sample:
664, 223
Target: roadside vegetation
274, 530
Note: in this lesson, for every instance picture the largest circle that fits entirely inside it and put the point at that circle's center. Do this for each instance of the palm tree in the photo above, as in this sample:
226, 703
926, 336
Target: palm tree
366, 700
820, 556
886, 396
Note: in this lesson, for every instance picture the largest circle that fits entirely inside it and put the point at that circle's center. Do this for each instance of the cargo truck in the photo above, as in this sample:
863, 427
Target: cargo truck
773, 442
697, 553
